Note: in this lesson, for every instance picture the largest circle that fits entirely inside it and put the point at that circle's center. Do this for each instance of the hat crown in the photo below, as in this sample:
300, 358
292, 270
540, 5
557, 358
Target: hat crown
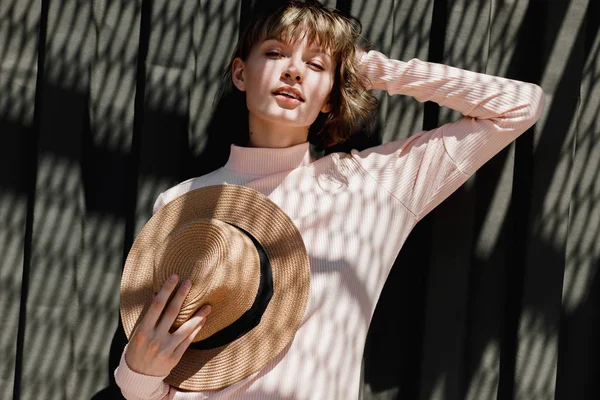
221, 262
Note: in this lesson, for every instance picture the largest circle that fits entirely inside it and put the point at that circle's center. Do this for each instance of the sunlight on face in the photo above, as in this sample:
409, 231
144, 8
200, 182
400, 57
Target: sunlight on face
287, 84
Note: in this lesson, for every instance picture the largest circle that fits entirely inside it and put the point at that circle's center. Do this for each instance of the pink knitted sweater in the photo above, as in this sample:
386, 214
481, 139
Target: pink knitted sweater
354, 212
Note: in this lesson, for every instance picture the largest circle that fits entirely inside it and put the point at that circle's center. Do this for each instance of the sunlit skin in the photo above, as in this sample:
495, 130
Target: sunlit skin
276, 120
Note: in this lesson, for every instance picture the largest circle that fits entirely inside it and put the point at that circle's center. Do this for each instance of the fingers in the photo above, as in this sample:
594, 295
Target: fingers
159, 301
174, 307
186, 333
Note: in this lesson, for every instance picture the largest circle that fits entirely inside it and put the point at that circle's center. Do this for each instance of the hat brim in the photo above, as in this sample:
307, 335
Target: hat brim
250, 210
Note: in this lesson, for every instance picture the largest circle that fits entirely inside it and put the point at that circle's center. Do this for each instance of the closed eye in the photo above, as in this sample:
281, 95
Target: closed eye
317, 66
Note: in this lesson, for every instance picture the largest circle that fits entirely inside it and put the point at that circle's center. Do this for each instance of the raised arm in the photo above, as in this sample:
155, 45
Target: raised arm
424, 169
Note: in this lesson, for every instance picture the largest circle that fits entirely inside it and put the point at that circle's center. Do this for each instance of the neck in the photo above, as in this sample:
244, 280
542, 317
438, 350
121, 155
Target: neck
264, 133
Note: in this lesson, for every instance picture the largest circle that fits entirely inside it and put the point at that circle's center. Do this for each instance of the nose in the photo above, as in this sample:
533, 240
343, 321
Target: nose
293, 76
292, 71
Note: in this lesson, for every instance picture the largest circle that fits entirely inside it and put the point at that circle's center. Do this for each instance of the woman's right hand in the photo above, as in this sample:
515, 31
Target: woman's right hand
152, 349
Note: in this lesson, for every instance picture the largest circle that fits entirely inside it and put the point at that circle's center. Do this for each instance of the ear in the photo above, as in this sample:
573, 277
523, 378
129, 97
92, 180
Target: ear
237, 74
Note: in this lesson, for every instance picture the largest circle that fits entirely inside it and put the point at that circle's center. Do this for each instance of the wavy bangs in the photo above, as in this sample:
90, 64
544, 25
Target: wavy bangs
297, 21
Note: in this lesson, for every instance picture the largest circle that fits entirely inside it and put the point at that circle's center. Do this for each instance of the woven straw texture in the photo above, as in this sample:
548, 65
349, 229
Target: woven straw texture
171, 232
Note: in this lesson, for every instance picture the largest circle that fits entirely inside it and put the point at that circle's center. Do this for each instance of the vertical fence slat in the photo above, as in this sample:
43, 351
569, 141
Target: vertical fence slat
19, 35
578, 363
49, 356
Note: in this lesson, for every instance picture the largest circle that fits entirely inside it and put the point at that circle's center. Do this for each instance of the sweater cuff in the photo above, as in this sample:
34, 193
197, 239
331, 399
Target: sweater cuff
134, 385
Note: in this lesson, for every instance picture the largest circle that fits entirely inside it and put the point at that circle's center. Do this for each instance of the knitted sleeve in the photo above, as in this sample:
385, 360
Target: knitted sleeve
426, 168
135, 386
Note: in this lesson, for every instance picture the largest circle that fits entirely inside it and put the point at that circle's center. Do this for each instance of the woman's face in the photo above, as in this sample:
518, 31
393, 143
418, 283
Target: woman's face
286, 83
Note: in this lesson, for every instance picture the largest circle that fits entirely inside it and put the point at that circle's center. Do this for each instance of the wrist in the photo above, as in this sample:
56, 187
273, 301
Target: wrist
137, 385
137, 366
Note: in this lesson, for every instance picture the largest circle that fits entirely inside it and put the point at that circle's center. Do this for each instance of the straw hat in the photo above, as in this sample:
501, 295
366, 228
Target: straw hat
245, 257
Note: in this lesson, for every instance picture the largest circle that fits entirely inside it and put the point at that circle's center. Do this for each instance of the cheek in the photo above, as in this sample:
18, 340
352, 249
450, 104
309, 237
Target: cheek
322, 92
258, 82
260, 73
255, 93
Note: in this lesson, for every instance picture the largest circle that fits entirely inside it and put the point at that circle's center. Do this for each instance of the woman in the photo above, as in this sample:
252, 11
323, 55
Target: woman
301, 71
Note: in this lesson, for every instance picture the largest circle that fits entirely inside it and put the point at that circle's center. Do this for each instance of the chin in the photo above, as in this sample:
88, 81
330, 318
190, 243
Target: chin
288, 117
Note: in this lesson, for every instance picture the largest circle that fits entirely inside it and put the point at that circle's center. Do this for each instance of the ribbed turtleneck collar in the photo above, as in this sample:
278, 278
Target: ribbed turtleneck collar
262, 161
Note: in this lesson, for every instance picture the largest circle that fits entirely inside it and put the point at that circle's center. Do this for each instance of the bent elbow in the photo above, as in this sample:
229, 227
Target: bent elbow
528, 106
536, 101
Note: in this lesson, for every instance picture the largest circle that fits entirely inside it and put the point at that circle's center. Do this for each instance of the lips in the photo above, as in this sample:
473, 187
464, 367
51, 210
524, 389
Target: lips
289, 92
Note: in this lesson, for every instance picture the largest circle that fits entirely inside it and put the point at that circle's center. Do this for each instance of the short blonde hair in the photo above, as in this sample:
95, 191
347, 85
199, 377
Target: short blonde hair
352, 104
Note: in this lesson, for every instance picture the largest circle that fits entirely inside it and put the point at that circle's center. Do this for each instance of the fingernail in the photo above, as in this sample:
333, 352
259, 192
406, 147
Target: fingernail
173, 278
205, 310
186, 284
